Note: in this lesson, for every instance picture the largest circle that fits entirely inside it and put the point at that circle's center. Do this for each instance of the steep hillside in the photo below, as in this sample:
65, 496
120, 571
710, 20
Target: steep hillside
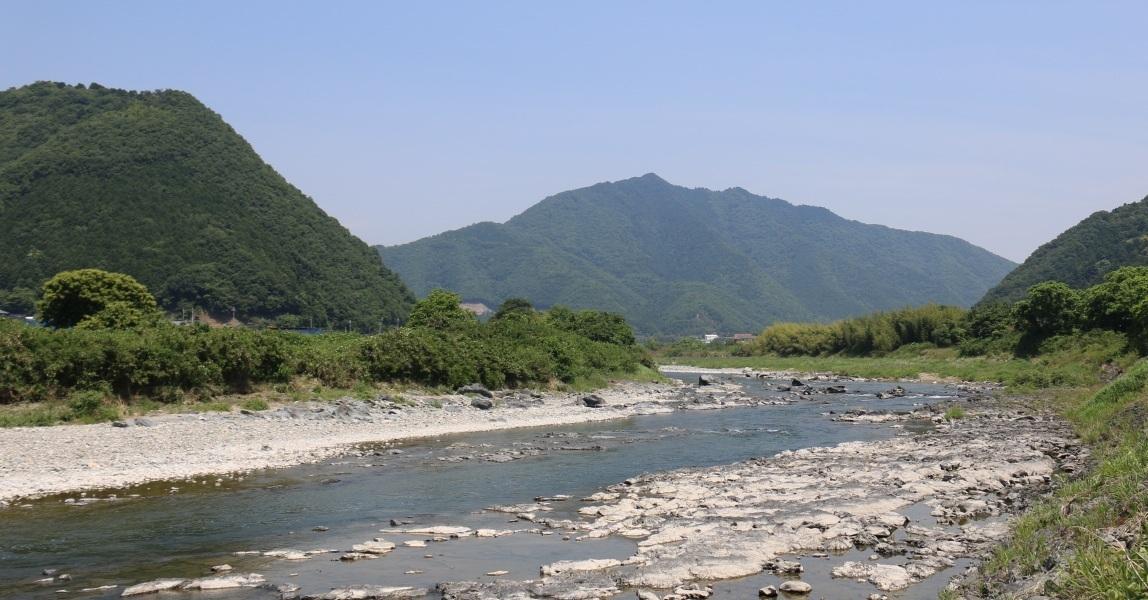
675, 260
1083, 254
156, 185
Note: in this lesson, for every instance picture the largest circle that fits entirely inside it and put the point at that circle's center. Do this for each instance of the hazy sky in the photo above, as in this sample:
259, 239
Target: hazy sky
1000, 122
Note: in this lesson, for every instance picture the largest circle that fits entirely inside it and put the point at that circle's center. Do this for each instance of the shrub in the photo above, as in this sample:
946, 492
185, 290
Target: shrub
73, 296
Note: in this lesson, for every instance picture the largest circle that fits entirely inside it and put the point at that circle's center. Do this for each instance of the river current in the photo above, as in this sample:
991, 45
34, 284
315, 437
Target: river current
181, 529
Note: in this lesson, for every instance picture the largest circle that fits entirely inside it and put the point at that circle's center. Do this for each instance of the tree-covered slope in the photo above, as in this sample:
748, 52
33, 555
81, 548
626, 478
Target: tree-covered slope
156, 185
1082, 255
675, 260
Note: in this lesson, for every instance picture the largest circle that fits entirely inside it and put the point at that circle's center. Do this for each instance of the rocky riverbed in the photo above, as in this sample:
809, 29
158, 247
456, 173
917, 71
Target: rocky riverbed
913, 506
40, 461
897, 515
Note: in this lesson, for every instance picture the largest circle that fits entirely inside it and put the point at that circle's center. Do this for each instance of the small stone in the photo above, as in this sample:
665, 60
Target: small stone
497, 573
221, 568
119, 424
767, 592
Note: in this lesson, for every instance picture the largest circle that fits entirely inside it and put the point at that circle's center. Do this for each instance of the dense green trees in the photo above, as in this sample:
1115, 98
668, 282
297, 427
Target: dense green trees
441, 310
875, 333
156, 185
1049, 308
440, 347
1084, 254
96, 299
1118, 304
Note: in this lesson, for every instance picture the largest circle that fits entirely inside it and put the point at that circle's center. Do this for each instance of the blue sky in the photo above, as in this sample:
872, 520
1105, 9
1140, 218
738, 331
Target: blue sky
1000, 122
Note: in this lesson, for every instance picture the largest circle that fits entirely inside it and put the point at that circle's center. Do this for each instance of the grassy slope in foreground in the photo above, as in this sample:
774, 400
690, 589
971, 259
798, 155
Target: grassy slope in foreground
1090, 539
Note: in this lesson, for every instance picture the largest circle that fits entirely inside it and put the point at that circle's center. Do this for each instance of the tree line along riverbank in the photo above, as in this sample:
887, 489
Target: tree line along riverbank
120, 359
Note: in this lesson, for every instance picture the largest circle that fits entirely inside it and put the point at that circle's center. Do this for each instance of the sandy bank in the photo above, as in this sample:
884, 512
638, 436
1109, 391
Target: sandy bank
48, 460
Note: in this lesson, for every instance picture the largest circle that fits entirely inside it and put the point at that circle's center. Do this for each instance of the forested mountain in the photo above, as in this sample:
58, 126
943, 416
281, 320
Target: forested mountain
156, 185
1083, 254
675, 260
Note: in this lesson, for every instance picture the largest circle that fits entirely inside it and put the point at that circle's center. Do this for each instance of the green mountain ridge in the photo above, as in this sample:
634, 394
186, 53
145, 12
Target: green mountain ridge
1083, 254
676, 260
156, 185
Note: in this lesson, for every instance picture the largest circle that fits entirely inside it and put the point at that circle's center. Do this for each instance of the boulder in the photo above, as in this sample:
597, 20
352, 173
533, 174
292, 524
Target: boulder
373, 547
796, 383
567, 566
476, 388
835, 389
593, 401
370, 593
784, 567
225, 582
796, 587
707, 380
482, 403
767, 592
153, 587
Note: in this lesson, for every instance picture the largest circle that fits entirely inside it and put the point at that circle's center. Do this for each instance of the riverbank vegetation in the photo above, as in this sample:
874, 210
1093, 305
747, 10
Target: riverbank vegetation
60, 371
1090, 538
1054, 336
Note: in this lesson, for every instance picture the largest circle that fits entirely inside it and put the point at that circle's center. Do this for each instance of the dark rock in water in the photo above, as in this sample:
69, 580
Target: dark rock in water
593, 401
784, 388
476, 388
897, 392
330, 481
796, 383
119, 424
49, 572
787, 567
835, 389
707, 380
767, 592
482, 403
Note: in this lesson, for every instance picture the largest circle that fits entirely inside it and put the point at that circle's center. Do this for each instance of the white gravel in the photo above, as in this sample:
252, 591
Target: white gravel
39, 461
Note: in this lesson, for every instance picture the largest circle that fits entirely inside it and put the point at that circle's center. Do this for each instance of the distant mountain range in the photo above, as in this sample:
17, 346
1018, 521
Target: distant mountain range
1083, 254
156, 185
676, 260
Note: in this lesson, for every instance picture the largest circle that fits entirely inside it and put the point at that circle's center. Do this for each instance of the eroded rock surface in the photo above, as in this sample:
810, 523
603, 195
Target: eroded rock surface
697, 525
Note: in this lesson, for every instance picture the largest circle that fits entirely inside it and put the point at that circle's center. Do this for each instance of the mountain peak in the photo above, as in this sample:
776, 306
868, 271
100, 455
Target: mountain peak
676, 260
208, 217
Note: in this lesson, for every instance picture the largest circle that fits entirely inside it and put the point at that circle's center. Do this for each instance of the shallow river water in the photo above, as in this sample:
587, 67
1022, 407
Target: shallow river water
155, 530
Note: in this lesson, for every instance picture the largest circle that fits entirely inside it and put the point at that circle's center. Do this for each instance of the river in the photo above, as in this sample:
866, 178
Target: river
177, 529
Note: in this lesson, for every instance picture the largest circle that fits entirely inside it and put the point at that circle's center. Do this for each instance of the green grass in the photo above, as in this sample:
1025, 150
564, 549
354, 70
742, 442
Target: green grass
1072, 361
1074, 529
254, 404
597, 381
954, 413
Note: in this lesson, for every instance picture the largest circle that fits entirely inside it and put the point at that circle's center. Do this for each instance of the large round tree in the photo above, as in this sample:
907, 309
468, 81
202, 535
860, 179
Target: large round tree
73, 296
